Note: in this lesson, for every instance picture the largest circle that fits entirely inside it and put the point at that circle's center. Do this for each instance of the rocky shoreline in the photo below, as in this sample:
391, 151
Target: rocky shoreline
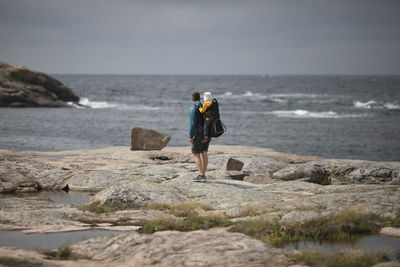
133, 188
22, 87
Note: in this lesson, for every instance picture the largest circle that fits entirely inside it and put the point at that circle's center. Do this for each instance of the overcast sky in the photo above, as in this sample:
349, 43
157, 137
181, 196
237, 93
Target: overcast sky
202, 37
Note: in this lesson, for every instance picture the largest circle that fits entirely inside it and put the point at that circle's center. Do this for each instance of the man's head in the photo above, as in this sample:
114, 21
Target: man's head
207, 96
196, 96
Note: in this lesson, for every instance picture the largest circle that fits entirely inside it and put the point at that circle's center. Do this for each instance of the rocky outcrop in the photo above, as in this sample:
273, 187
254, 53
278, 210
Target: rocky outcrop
37, 216
43, 216
216, 247
21, 87
259, 179
135, 194
19, 174
337, 171
271, 186
135, 179
147, 139
390, 231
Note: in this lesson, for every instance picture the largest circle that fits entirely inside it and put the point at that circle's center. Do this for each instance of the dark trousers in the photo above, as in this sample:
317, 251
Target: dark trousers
207, 125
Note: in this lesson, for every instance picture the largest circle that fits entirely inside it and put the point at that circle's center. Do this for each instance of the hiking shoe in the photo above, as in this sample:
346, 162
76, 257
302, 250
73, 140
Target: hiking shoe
200, 178
205, 140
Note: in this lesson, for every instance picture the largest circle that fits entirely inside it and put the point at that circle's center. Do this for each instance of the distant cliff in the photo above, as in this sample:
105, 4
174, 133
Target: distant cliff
21, 87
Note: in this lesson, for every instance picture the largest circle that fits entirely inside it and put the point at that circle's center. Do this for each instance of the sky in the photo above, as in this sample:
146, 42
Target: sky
202, 37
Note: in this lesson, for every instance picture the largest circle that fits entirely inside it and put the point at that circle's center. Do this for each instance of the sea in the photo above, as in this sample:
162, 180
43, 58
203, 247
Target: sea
336, 116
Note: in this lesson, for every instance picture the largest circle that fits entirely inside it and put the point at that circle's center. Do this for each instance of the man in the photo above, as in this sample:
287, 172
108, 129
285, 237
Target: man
199, 149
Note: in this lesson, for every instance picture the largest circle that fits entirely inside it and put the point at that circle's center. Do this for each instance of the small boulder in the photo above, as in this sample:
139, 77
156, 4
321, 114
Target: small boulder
8, 187
233, 165
319, 175
147, 139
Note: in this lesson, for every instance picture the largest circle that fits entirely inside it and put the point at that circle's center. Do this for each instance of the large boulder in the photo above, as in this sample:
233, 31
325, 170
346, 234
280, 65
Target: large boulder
21, 87
147, 139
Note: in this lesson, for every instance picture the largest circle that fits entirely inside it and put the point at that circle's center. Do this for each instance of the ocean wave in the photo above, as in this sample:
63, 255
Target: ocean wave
143, 107
87, 103
296, 95
300, 113
278, 98
84, 101
247, 95
376, 105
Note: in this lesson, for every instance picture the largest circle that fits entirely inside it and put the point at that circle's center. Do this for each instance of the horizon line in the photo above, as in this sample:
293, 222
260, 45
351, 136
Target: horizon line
194, 74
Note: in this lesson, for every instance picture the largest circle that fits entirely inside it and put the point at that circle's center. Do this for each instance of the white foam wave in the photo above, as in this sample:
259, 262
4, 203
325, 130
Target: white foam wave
87, 103
72, 104
392, 106
247, 94
279, 98
376, 105
97, 104
295, 95
227, 94
143, 107
300, 113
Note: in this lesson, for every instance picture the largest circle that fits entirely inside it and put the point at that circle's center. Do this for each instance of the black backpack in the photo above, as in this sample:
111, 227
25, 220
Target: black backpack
217, 128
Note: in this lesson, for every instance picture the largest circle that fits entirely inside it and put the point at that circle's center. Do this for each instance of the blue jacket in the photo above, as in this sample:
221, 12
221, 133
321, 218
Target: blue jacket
196, 119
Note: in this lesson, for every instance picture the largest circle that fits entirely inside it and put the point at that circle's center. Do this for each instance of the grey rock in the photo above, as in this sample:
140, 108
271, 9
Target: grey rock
21, 87
215, 247
43, 216
133, 179
96, 180
390, 231
8, 187
24, 174
335, 171
387, 264
259, 179
232, 164
295, 216
261, 165
135, 194
319, 175
147, 139
293, 172
37, 216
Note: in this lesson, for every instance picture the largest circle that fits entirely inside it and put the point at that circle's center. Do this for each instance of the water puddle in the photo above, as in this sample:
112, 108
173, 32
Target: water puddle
50, 241
369, 244
72, 197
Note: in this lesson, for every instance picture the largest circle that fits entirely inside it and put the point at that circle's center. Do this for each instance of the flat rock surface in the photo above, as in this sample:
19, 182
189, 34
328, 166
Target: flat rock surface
271, 185
215, 247
391, 231
40, 216
135, 179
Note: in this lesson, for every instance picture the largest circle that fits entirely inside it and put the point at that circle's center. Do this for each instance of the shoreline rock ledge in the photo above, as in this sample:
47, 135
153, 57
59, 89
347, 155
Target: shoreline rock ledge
21, 87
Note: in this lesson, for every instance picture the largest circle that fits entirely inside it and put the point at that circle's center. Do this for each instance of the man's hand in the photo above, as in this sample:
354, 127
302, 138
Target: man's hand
191, 140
